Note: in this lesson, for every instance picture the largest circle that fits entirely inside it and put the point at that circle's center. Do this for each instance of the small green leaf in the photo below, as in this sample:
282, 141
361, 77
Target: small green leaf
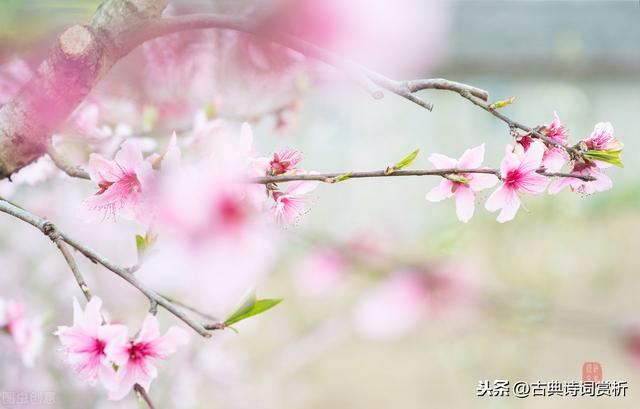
140, 243
342, 178
457, 178
150, 117
210, 110
250, 308
503, 103
612, 157
408, 160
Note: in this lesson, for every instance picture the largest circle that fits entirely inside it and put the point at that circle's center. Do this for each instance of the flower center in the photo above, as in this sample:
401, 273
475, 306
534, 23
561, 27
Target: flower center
139, 351
513, 178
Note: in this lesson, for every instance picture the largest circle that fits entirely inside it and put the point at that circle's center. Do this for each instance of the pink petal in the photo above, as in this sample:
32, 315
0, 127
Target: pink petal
557, 185
464, 203
168, 343
533, 157
442, 161
554, 159
472, 158
497, 199
246, 138
481, 181
102, 170
129, 156
440, 192
150, 329
92, 318
602, 182
115, 338
509, 162
117, 353
301, 187
533, 183
512, 204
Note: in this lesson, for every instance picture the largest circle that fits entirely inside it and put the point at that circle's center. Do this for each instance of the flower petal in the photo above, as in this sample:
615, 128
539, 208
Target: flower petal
464, 203
532, 158
510, 208
442, 162
481, 181
440, 192
472, 158
129, 156
150, 329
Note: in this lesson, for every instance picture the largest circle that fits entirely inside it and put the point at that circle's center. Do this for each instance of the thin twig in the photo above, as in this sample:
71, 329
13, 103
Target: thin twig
47, 228
370, 80
63, 165
334, 177
72, 265
145, 396
192, 309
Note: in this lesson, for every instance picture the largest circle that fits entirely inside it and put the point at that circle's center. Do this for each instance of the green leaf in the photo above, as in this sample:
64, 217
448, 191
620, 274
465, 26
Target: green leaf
210, 110
408, 160
612, 157
341, 178
140, 244
503, 103
250, 308
149, 117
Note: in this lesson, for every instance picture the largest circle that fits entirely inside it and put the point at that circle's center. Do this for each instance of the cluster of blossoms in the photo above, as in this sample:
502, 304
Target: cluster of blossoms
128, 183
287, 205
520, 170
104, 353
25, 332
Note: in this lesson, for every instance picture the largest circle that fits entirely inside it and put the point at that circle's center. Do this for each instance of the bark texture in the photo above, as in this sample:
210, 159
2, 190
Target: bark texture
78, 59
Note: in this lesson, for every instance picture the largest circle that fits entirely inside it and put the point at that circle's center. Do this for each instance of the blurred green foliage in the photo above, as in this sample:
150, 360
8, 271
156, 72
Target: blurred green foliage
28, 20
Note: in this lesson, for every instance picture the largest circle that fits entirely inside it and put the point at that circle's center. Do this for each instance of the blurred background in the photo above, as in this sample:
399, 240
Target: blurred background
389, 300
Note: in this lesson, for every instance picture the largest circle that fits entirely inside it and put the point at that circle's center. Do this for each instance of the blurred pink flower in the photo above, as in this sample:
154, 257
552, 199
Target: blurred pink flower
87, 340
292, 203
392, 308
13, 75
319, 273
518, 172
463, 185
136, 358
25, 332
602, 182
120, 180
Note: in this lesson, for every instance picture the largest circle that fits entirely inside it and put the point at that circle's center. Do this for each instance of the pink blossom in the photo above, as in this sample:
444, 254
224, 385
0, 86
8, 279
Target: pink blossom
87, 340
602, 182
25, 332
320, 273
136, 358
284, 161
556, 131
120, 180
554, 156
518, 173
602, 139
292, 203
461, 185
392, 308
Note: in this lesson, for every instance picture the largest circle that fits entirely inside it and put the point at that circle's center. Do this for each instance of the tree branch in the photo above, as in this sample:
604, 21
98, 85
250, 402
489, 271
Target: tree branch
335, 177
50, 230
